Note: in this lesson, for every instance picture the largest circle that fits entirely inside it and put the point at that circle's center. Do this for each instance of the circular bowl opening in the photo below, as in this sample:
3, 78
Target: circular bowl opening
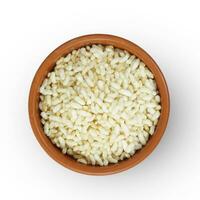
48, 65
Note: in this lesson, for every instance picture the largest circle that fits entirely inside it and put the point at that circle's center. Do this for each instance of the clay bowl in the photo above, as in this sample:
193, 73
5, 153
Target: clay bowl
49, 64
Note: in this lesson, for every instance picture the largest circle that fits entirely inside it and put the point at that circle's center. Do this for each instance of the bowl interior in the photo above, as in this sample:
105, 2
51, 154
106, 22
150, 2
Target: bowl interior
48, 65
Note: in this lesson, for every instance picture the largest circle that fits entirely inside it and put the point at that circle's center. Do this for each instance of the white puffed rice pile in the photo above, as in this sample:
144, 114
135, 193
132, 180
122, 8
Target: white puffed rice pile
100, 104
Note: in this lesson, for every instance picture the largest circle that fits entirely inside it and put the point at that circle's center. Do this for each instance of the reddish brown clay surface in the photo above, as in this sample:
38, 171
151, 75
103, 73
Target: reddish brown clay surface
49, 64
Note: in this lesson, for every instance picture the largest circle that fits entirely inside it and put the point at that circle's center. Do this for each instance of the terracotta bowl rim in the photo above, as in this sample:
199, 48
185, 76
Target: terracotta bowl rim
48, 65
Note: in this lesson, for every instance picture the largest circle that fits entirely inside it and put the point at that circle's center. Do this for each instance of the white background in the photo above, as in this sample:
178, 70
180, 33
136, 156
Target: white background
168, 30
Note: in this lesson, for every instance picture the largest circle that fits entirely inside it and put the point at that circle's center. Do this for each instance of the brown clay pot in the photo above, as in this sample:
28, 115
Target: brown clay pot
48, 65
